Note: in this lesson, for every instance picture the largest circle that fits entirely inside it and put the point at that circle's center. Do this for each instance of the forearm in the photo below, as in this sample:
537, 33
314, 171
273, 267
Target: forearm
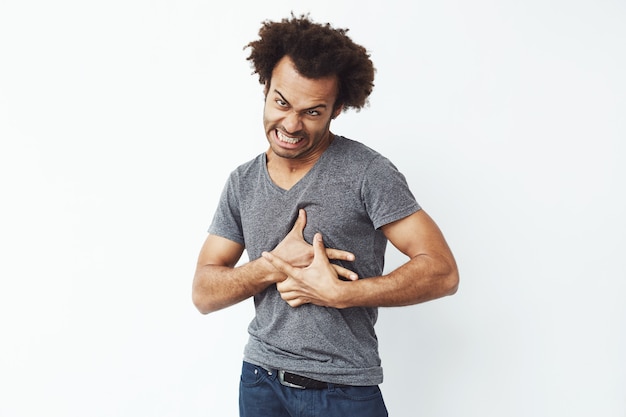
217, 287
422, 279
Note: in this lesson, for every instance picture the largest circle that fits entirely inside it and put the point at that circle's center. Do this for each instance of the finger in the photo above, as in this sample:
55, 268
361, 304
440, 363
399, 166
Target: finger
345, 273
279, 264
319, 251
296, 302
290, 297
285, 287
300, 222
339, 254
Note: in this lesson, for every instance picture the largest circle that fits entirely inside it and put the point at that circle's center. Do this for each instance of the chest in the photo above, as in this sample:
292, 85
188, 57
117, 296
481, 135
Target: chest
333, 208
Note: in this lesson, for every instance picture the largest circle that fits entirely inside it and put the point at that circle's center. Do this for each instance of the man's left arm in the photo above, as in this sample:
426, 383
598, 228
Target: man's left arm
430, 272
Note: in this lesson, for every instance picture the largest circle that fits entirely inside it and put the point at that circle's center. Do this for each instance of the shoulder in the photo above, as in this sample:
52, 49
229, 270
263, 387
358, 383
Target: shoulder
349, 152
342, 143
358, 156
252, 164
251, 167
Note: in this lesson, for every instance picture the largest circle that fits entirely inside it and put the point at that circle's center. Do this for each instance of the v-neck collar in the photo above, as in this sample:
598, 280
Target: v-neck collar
302, 180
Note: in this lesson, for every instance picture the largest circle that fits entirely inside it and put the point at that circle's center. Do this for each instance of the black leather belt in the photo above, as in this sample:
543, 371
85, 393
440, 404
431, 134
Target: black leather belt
302, 382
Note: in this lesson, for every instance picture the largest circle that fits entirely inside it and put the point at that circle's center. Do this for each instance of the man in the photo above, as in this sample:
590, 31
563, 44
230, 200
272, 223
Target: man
312, 348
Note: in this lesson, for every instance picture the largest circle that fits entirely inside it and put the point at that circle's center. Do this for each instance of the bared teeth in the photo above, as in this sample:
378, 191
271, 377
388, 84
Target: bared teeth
284, 138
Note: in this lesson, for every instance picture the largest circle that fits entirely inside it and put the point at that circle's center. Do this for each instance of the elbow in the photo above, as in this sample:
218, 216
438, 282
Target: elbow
201, 306
451, 282
202, 303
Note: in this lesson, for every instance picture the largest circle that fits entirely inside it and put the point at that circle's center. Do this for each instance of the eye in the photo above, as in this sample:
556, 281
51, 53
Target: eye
281, 102
313, 113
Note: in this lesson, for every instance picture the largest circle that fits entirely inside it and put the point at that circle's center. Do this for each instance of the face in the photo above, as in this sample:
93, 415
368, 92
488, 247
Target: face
298, 112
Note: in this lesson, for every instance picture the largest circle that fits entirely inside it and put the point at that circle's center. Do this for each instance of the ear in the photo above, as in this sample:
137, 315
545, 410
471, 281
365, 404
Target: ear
337, 111
266, 89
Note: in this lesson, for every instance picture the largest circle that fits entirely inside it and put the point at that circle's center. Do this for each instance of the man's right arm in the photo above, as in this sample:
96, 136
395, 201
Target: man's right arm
219, 284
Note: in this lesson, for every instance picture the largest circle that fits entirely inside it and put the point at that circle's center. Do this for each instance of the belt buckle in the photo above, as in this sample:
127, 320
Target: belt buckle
281, 378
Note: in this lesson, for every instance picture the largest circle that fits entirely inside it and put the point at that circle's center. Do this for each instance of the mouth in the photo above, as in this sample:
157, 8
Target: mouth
287, 139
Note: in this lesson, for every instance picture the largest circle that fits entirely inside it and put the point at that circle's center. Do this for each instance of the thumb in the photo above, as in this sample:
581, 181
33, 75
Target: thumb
300, 222
319, 251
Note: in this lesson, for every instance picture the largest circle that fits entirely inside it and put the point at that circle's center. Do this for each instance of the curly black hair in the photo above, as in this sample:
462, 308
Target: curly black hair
317, 50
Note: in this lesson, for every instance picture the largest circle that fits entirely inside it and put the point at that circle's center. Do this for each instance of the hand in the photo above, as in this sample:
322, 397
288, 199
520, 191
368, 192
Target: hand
317, 283
294, 250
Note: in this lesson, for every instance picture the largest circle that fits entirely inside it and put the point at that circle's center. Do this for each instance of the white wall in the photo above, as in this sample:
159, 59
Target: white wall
120, 120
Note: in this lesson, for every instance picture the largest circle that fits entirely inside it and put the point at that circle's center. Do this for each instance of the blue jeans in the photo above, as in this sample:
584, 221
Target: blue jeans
262, 395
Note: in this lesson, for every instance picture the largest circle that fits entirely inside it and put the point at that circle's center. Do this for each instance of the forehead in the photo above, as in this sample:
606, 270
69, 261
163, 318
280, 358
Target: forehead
296, 88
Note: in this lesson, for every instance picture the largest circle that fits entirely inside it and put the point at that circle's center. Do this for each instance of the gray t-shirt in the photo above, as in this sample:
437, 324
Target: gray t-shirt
348, 195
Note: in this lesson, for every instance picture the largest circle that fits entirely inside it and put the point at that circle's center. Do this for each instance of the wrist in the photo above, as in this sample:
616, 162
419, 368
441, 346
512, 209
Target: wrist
266, 270
341, 294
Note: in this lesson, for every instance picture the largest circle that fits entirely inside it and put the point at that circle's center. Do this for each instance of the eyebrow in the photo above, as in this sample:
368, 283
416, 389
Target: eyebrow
322, 106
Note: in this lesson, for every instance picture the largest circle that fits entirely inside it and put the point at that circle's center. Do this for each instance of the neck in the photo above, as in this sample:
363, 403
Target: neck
299, 163
286, 172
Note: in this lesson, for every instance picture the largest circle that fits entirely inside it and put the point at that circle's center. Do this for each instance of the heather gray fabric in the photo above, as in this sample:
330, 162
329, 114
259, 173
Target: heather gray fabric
348, 195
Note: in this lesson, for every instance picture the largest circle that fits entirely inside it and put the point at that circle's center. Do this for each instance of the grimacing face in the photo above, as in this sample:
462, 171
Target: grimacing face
298, 112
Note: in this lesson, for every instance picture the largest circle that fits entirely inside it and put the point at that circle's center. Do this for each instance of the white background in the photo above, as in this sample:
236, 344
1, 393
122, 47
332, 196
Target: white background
120, 121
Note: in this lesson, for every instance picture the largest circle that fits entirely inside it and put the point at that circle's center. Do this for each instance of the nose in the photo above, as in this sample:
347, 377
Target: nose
292, 122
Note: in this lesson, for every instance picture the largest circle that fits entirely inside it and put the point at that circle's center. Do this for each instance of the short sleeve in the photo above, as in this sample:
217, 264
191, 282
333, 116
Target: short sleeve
227, 218
386, 194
